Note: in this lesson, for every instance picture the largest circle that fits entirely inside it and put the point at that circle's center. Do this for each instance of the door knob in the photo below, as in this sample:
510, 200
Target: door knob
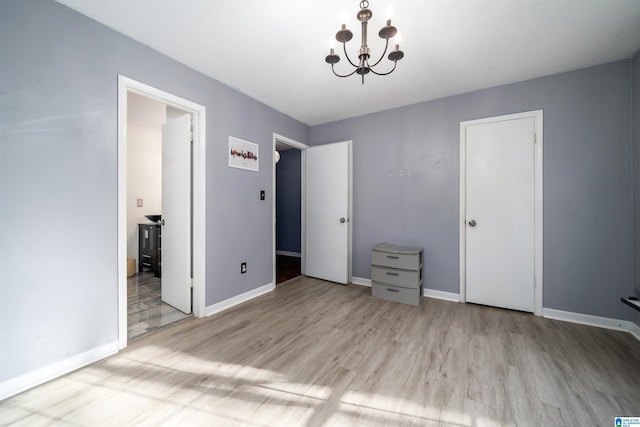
342, 220
472, 223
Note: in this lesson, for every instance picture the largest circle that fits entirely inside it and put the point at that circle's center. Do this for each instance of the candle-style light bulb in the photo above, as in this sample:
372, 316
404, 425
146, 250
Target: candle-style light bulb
344, 17
398, 39
389, 12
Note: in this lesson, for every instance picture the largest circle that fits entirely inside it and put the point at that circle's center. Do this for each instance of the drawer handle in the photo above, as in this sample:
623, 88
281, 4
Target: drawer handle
393, 257
146, 264
389, 273
392, 290
146, 256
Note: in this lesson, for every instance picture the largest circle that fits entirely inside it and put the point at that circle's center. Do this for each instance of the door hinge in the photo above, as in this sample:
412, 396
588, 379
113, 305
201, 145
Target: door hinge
535, 139
534, 282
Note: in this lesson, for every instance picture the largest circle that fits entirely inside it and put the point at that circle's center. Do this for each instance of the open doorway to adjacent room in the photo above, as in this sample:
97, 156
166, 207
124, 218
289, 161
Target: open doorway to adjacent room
146, 310
161, 209
288, 205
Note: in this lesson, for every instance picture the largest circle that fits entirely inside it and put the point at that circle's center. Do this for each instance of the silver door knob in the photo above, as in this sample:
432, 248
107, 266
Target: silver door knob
472, 223
342, 220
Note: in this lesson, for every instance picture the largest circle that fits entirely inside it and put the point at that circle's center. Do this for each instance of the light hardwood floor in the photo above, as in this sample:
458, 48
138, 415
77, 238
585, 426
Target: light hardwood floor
313, 353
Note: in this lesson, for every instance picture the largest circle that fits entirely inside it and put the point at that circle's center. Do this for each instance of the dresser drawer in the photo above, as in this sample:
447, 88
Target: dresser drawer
404, 278
403, 260
146, 264
397, 294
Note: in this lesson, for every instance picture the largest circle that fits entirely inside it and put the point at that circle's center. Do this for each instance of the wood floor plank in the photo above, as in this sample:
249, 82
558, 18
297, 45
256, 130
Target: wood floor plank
313, 353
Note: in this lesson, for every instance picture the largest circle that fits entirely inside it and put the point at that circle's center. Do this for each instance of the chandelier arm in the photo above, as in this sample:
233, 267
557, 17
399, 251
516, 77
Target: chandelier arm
344, 45
383, 54
340, 75
385, 74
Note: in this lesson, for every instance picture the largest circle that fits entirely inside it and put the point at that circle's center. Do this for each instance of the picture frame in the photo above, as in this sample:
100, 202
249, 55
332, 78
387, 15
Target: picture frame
243, 154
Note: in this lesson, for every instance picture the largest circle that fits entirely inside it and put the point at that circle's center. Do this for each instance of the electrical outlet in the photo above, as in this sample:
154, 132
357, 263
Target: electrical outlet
243, 268
139, 203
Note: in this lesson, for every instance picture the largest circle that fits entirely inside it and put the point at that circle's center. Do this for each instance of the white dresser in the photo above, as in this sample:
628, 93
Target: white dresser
396, 273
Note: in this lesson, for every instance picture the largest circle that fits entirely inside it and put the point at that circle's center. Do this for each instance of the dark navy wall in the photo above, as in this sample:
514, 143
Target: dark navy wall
288, 198
58, 181
406, 182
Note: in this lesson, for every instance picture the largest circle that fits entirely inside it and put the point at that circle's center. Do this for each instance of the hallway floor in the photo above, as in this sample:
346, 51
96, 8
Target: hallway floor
287, 268
145, 310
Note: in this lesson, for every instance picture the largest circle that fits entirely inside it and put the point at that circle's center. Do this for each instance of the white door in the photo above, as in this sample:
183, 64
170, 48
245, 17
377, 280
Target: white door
176, 213
327, 210
500, 213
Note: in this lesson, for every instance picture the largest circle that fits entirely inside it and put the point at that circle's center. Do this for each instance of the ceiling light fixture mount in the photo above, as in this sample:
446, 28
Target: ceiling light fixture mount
363, 67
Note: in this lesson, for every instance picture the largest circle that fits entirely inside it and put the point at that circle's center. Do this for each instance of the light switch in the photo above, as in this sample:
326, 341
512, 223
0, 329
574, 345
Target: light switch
139, 203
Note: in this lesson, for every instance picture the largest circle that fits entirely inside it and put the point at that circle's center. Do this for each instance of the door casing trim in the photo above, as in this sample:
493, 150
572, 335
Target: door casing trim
538, 221
198, 114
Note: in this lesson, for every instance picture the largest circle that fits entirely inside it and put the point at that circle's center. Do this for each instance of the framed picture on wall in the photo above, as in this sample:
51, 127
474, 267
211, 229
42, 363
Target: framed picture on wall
243, 154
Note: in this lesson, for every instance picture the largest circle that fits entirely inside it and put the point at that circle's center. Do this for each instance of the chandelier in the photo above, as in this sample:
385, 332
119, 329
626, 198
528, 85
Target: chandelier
363, 67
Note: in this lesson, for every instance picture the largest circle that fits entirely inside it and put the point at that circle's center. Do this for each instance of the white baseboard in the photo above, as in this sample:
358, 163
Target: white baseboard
589, 320
429, 293
287, 253
238, 299
361, 281
447, 296
549, 313
31, 379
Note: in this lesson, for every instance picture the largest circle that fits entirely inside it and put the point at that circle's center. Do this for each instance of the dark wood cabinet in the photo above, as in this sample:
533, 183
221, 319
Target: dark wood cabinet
149, 247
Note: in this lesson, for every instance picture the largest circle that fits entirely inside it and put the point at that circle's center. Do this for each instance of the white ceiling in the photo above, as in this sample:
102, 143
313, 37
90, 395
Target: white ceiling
274, 50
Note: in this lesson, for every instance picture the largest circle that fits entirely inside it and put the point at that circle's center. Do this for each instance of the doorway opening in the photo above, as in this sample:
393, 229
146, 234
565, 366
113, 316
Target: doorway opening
147, 123
288, 209
147, 306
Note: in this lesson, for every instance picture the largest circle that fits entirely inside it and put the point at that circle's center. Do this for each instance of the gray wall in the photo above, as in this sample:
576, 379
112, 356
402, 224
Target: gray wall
58, 176
406, 182
636, 179
288, 199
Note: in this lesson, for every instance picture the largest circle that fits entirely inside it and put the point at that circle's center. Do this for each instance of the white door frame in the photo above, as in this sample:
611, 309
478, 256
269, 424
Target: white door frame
537, 116
198, 113
302, 147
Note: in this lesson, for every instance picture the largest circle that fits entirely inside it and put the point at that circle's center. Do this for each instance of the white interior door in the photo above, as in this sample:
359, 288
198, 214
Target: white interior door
176, 213
327, 209
500, 213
